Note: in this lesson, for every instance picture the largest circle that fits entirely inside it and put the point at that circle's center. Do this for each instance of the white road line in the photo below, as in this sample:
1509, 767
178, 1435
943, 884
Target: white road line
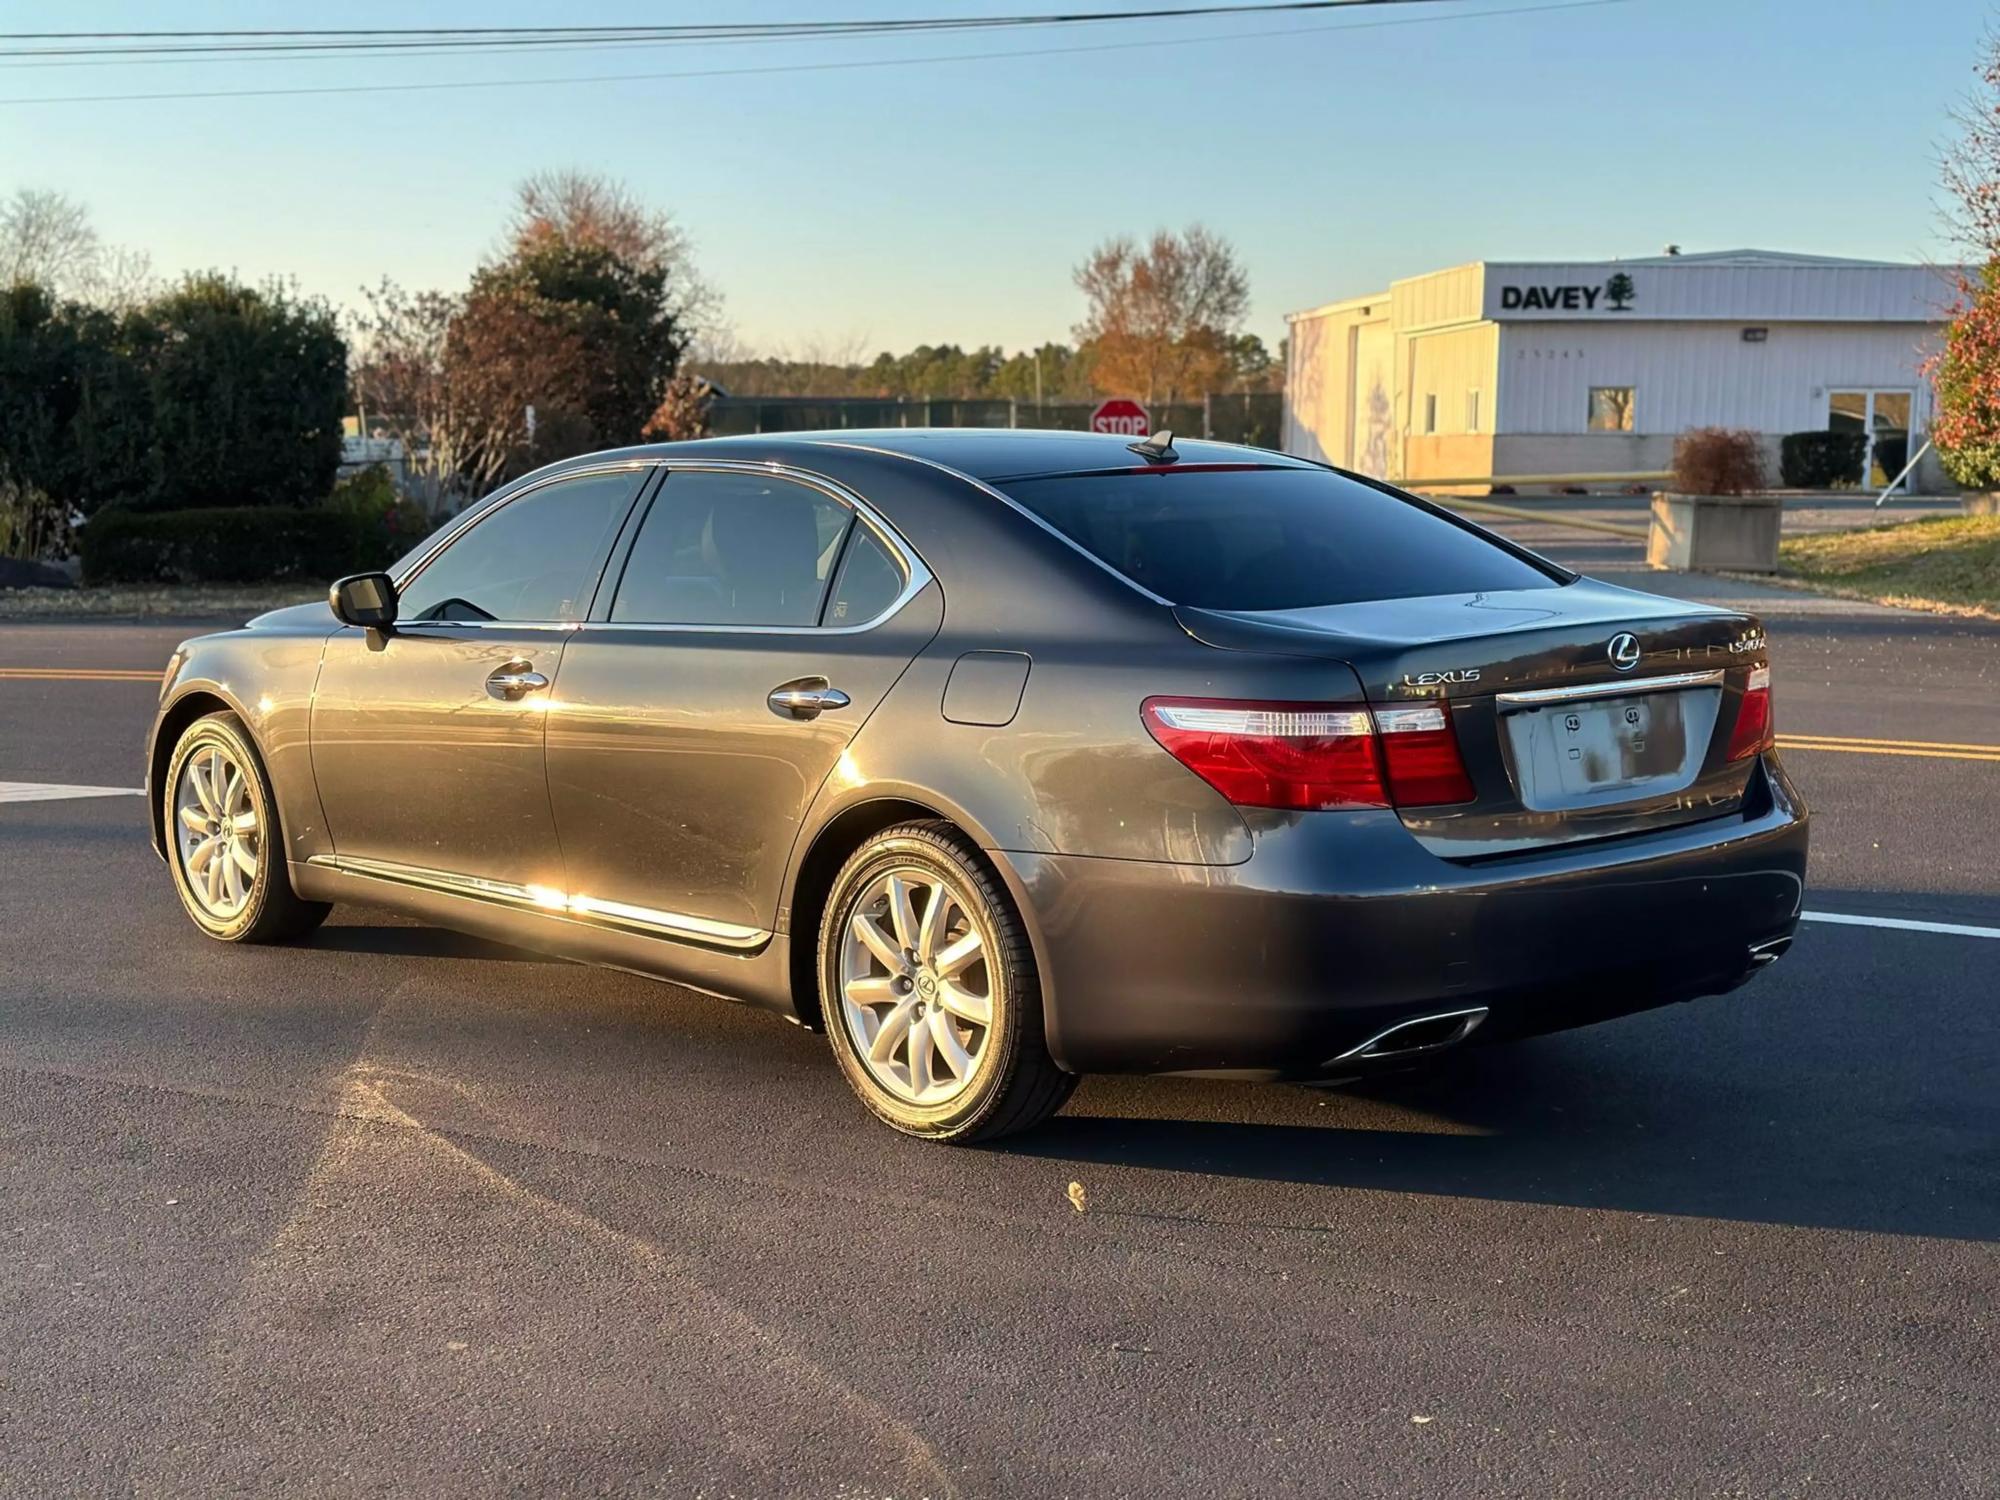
1901, 924
50, 791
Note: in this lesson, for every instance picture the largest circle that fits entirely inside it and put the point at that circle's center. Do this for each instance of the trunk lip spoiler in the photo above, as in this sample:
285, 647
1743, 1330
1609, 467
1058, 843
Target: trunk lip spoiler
1629, 687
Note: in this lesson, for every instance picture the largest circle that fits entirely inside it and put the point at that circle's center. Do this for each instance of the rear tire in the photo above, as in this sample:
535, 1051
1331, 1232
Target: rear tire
929, 990
224, 846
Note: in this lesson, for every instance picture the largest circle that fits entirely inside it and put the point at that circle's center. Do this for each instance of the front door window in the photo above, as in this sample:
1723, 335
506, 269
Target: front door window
1883, 417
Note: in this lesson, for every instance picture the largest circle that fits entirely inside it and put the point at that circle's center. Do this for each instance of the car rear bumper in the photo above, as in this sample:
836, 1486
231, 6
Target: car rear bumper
1340, 926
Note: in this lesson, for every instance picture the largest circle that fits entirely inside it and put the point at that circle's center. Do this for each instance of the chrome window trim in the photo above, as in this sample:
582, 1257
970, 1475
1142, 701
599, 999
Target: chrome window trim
1014, 505
916, 576
551, 902
479, 511
1535, 697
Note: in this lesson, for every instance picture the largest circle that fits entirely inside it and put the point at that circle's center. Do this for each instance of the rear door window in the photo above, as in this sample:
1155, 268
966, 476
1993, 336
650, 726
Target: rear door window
732, 549
1270, 538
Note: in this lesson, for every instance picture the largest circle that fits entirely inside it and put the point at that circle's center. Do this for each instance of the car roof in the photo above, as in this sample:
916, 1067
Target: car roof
987, 453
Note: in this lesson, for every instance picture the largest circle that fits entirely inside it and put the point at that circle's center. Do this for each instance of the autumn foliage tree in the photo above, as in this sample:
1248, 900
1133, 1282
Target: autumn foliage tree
1162, 319
1966, 373
1966, 427
583, 209
581, 317
574, 331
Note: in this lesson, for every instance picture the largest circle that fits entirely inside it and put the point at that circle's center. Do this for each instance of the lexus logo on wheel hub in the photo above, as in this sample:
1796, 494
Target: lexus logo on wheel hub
1623, 651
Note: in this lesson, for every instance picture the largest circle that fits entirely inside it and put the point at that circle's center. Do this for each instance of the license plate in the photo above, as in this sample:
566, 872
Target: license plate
1616, 742
1573, 754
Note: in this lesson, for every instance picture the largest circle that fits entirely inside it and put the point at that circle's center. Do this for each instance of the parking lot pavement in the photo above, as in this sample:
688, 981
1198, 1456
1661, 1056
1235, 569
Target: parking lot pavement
398, 1210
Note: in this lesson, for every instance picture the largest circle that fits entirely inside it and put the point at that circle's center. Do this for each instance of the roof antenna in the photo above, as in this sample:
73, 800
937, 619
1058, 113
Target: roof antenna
1158, 449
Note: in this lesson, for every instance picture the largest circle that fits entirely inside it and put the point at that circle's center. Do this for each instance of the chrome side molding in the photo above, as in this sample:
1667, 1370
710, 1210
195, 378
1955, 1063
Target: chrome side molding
551, 902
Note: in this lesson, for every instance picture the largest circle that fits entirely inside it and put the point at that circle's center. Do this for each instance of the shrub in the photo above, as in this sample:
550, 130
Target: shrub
238, 544
390, 525
1821, 460
248, 386
1967, 379
1718, 461
210, 394
33, 525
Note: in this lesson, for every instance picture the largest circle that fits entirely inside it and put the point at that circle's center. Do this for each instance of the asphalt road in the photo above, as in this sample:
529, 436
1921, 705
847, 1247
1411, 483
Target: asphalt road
398, 1211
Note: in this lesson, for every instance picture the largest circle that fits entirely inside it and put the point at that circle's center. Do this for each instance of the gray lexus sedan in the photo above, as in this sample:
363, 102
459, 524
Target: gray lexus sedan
1005, 757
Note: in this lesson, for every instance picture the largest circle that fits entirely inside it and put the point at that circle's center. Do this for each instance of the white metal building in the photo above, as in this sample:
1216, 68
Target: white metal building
1505, 368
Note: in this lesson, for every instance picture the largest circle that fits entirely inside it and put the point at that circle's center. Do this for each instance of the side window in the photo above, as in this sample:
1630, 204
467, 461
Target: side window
868, 583
731, 549
533, 560
1611, 408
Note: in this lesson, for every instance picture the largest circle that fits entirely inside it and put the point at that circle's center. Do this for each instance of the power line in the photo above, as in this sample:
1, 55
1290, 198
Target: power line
476, 35
819, 67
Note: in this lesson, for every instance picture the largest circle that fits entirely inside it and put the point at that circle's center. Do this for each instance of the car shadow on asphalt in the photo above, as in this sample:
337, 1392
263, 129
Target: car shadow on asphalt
396, 940
1557, 1122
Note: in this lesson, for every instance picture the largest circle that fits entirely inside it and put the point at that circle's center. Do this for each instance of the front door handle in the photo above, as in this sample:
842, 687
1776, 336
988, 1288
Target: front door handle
516, 680
807, 698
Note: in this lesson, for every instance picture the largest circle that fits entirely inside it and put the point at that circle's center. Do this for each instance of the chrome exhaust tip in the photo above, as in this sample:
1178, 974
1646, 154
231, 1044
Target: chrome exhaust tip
1770, 952
1418, 1035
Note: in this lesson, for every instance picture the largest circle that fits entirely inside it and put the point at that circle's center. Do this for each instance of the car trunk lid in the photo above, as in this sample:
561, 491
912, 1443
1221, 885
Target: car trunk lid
1587, 711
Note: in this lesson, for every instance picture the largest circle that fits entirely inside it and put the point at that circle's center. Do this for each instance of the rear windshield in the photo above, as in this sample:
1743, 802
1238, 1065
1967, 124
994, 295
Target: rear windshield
1269, 538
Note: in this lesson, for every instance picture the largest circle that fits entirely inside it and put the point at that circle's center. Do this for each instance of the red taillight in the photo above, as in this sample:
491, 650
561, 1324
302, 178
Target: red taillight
1755, 730
1301, 756
1310, 756
1421, 754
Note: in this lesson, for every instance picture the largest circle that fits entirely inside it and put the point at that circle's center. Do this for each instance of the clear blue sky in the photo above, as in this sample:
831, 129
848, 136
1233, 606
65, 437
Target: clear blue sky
948, 201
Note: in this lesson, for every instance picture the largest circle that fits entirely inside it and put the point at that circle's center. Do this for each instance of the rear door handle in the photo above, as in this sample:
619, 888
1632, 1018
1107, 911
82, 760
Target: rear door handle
516, 680
807, 698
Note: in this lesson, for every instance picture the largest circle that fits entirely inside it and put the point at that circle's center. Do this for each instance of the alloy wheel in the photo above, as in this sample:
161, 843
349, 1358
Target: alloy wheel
915, 988
218, 836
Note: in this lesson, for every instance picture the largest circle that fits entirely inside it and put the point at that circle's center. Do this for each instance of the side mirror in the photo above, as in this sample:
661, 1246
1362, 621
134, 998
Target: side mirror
365, 599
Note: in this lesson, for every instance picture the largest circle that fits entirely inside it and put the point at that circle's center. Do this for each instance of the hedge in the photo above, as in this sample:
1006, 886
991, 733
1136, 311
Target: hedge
1821, 460
235, 545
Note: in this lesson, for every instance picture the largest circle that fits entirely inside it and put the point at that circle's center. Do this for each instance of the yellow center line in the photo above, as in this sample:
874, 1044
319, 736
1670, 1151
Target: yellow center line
1855, 739
1919, 749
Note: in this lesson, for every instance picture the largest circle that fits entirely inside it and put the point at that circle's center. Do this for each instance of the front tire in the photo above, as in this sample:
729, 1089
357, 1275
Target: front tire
223, 843
929, 991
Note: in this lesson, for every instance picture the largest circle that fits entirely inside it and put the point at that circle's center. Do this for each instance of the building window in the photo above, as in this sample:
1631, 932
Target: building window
1472, 411
1611, 408
1430, 414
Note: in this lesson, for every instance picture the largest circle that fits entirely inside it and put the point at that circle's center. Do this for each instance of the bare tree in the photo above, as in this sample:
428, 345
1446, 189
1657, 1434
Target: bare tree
1161, 318
119, 279
46, 238
582, 208
1970, 166
399, 380
717, 344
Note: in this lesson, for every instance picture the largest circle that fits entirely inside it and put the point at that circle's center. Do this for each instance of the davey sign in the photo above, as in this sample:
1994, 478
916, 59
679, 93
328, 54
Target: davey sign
1613, 294
1123, 417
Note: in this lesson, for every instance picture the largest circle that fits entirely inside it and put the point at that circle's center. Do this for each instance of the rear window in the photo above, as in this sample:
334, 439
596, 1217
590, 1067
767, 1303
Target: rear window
1269, 538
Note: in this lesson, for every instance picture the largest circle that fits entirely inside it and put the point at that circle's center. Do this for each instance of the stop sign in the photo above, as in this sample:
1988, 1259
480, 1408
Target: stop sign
1119, 415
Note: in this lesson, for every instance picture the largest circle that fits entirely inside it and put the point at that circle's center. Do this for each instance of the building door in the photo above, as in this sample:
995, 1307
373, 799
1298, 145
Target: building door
1884, 417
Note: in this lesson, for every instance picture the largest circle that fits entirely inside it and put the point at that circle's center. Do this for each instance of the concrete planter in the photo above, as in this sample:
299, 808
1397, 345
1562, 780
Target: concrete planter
1715, 533
1980, 503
